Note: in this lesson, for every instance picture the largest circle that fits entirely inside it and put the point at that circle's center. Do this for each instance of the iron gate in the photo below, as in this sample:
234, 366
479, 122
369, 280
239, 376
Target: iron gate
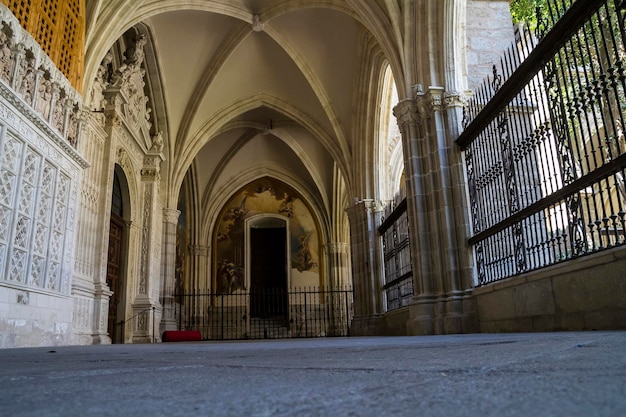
266, 314
544, 143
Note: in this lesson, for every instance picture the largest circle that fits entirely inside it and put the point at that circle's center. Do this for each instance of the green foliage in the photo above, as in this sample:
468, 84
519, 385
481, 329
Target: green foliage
525, 11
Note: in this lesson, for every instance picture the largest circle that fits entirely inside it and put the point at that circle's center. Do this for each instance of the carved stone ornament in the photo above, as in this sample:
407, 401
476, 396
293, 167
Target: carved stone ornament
199, 250
150, 174
170, 216
44, 97
406, 113
129, 80
455, 99
124, 161
337, 247
435, 96
157, 143
257, 24
113, 120
6, 54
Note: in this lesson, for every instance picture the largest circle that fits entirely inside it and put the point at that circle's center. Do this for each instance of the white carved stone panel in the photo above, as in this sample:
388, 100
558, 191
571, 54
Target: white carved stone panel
36, 225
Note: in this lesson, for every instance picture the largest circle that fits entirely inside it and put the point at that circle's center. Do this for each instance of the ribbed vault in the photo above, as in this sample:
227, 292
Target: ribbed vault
284, 80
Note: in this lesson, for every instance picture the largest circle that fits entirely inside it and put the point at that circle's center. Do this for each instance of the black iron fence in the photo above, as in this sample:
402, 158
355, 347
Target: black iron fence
544, 143
267, 313
398, 279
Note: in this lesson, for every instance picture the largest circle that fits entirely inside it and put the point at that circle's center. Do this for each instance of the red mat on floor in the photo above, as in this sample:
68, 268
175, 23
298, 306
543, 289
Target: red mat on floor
181, 336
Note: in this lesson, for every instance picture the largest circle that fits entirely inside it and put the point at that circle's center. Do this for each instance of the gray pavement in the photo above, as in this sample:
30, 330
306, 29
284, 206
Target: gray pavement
540, 374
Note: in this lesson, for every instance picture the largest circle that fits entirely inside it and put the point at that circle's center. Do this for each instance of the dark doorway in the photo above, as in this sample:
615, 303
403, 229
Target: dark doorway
114, 264
115, 256
268, 267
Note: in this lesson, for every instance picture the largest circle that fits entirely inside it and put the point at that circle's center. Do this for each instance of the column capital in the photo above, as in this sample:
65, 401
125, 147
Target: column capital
151, 170
199, 250
406, 113
370, 205
434, 98
456, 98
170, 215
336, 247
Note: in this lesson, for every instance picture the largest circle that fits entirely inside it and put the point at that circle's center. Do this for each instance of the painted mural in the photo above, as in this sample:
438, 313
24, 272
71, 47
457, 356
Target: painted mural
181, 244
265, 196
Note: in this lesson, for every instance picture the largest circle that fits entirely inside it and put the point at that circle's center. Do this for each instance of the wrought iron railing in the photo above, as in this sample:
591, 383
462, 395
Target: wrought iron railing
398, 280
267, 313
545, 147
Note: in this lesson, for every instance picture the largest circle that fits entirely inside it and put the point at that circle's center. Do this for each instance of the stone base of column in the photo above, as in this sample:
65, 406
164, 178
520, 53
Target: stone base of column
100, 339
365, 326
421, 316
168, 319
168, 324
448, 314
146, 322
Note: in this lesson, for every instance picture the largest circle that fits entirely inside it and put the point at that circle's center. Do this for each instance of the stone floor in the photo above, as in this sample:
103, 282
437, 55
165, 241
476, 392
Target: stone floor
541, 374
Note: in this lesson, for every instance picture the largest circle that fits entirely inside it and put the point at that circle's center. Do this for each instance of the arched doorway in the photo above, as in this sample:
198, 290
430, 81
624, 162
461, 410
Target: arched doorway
115, 255
268, 266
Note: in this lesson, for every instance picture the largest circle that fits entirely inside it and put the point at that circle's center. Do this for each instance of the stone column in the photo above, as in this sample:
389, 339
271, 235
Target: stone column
146, 308
415, 149
449, 303
338, 276
168, 269
462, 315
364, 216
339, 272
199, 279
94, 218
102, 296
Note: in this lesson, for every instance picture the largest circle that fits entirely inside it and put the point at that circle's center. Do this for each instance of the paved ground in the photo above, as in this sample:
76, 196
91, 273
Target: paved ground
544, 374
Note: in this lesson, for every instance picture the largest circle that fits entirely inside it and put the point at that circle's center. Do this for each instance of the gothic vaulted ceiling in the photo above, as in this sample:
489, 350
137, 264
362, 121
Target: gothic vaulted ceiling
251, 86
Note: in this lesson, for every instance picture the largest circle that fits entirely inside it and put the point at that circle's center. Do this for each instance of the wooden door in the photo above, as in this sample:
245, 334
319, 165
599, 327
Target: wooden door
114, 264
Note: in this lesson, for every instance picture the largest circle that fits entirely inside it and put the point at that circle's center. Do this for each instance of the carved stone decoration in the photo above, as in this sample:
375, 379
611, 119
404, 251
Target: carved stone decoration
257, 24
123, 160
435, 97
113, 120
25, 76
456, 99
171, 216
157, 143
44, 96
198, 250
406, 113
72, 127
6, 53
129, 80
145, 236
58, 117
150, 174
97, 101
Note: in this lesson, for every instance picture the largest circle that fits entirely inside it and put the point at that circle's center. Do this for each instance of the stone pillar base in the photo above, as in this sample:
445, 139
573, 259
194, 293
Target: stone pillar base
449, 314
168, 319
100, 339
421, 316
146, 321
365, 326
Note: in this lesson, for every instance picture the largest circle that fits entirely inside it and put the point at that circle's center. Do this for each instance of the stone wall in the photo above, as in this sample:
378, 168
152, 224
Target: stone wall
38, 197
489, 33
40, 172
582, 294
